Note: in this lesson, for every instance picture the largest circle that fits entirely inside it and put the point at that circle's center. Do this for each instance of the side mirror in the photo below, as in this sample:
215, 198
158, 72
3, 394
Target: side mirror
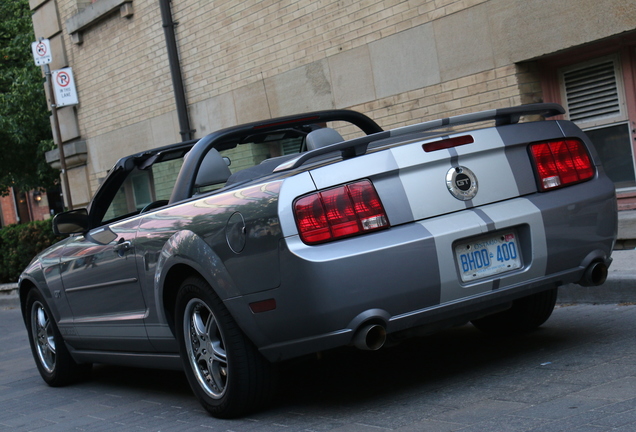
71, 222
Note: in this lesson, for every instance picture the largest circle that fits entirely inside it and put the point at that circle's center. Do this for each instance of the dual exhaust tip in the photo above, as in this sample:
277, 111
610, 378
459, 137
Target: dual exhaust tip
372, 337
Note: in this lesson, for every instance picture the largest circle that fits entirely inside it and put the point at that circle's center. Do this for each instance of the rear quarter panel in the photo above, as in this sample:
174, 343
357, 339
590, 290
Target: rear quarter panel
198, 234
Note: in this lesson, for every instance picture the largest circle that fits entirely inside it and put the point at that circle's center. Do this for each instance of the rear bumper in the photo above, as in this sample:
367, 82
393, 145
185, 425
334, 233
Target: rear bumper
425, 320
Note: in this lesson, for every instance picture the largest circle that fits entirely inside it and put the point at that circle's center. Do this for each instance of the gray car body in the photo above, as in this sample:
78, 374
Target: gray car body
115, 305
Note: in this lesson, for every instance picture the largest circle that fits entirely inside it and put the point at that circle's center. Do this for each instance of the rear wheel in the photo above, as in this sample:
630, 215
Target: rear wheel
526, 314
54, 362
225, 370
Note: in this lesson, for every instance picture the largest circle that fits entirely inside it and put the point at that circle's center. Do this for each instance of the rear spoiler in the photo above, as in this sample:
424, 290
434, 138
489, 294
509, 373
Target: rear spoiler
358, 146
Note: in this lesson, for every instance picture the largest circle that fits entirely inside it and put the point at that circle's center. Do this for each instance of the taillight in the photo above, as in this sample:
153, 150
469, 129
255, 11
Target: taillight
561, 163
343, 211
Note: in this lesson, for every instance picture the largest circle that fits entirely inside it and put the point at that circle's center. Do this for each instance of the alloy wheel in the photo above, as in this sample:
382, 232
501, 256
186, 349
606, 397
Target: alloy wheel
205, 348
43, 336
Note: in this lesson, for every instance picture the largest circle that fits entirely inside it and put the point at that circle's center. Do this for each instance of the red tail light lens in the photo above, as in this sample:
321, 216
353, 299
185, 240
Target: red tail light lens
448, 143
561, 163
344, 211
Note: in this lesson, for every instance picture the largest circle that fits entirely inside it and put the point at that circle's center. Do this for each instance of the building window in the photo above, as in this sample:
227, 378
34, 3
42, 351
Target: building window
594, 97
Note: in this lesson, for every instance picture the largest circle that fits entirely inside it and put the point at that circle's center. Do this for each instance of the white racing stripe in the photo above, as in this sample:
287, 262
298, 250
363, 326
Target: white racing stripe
423, 175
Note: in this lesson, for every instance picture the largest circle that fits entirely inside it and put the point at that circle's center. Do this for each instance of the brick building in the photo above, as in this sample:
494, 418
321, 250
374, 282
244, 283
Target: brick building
20, 207
398, 61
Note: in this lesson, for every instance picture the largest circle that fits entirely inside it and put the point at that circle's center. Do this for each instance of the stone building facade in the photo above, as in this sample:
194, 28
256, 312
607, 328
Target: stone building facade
398, 61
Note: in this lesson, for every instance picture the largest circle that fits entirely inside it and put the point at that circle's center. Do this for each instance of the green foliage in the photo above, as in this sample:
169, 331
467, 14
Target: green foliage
25, 130
19, 244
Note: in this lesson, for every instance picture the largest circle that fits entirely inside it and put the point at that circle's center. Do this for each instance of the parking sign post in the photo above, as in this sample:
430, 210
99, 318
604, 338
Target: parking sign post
42, 57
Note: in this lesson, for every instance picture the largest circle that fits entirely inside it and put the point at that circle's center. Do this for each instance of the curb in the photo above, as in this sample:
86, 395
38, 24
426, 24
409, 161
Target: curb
620, 286
9, 298
618, 289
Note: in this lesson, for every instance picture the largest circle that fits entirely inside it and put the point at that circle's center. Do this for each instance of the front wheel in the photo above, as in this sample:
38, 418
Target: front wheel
526, 314
225, 370
54, 362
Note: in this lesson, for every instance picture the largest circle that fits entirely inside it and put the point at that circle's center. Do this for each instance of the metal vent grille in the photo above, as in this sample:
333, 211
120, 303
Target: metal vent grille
592, 92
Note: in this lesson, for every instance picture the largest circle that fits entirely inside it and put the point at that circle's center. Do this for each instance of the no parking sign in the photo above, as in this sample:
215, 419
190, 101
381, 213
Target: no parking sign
64, 87
41, 52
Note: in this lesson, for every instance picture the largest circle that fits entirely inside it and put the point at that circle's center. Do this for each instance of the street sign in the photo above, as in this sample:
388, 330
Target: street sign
64, 87
41, 52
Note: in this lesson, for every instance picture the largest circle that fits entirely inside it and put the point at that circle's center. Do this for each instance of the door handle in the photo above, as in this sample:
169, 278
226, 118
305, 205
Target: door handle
122, 247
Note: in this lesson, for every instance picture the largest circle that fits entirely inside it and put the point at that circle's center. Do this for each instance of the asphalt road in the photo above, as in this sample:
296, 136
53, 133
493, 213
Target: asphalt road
577, 373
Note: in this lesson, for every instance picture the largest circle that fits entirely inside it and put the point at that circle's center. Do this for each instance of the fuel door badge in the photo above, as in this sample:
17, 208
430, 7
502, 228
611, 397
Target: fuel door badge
461, 183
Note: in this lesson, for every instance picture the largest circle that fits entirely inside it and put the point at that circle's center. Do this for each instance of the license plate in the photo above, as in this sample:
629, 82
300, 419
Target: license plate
488, 256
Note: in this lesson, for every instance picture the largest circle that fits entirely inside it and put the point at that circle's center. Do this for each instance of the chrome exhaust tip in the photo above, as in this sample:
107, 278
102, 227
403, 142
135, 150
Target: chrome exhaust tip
370, 337
595, 274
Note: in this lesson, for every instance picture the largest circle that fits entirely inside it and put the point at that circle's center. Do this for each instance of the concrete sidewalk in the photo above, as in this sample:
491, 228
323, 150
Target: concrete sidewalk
619, 288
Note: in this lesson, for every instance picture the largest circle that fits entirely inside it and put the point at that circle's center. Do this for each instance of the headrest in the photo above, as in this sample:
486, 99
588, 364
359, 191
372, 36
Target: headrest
213, 170
321, 138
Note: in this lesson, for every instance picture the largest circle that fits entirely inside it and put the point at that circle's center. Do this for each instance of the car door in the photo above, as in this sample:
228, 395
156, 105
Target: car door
101, 284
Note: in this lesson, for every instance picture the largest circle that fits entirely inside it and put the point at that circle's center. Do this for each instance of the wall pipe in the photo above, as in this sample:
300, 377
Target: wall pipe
175, 70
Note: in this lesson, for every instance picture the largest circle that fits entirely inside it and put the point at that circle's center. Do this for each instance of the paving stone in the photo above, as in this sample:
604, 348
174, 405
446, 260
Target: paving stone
617, 420
541, 392
432, 426
478, 412
575, 374
561, 408
616, 390
506, 423
618, 407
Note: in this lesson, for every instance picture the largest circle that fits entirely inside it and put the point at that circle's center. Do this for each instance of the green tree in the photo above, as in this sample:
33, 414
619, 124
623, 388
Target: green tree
25, 130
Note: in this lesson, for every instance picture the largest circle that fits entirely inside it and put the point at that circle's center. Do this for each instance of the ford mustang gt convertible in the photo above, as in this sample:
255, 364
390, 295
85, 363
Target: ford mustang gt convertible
277, 239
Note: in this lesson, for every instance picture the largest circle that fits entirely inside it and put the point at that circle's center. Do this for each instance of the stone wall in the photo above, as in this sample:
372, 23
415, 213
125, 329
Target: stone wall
398, 61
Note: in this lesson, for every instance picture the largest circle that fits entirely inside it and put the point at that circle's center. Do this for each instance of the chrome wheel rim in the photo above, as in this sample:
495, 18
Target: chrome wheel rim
205, 348
42, 333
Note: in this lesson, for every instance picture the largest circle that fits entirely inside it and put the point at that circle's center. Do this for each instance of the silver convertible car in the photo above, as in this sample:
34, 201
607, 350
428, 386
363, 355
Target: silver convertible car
277, 239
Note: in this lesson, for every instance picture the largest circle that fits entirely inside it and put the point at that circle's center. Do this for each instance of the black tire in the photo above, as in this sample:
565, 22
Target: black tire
526, 314
225, 370
54, 362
